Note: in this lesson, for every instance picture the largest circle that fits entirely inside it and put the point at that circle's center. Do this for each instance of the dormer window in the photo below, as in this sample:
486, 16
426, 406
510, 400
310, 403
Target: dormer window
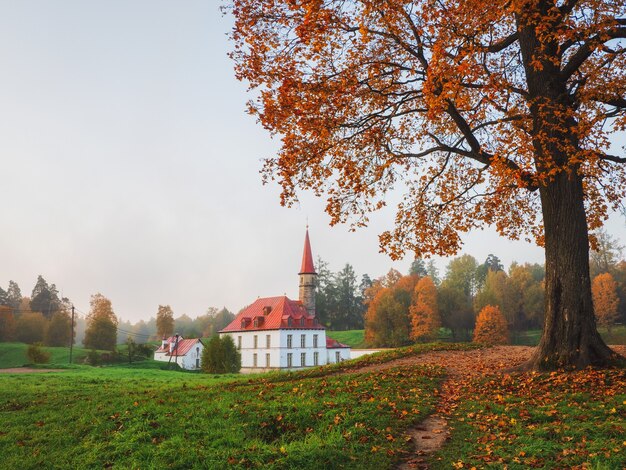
289, 321
258, 321
267, 310
245, 322
302, 321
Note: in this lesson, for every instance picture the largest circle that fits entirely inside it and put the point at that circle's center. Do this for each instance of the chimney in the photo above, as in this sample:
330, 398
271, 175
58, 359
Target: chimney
174, 344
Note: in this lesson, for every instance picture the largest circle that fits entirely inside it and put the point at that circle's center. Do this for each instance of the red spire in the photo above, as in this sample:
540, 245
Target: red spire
307, 257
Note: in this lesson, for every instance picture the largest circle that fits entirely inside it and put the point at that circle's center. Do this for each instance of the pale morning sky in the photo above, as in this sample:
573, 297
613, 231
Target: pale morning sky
129, 166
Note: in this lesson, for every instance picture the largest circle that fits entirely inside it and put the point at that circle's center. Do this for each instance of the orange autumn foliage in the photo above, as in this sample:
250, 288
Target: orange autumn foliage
605, 299
491, 327
502, 118
425, 321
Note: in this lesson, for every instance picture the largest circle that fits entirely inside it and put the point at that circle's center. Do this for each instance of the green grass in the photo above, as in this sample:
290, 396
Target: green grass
127, 418
14, 355
530, 420
353, 338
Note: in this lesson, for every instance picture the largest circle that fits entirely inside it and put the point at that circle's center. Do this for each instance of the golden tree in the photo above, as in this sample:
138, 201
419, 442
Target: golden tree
501, 118
165, 321
424, 314
605, 300
491, 327
101, 332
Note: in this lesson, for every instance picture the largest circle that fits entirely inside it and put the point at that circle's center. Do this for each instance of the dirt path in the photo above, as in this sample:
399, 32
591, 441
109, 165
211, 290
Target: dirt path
432, 433
28, 370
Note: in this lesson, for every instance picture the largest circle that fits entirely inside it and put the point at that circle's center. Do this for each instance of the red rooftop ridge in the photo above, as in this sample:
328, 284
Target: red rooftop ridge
307, 257
183, 347
272, 313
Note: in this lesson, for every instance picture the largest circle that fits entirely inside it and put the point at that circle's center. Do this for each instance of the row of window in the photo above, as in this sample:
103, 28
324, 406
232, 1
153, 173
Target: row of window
316, 359
268, 341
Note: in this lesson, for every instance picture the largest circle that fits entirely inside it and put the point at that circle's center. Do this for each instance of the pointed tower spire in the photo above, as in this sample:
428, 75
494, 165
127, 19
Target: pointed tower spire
307, 256
307, 277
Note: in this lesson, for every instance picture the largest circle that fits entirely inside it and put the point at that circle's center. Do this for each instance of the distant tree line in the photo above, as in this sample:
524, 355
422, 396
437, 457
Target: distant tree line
402, 309
339, 297
44, 317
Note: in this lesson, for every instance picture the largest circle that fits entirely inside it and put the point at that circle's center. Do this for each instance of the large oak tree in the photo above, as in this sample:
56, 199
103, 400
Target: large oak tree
496, 113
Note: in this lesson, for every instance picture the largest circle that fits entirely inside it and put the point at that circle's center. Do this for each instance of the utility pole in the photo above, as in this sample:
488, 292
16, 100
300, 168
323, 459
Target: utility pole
72, 335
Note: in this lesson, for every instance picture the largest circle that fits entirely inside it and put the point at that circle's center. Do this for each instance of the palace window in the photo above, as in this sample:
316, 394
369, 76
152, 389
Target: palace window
316, 358
289, 341
315, 341
254, 357
303, 359
303, 341
289, 359
256, 341
268, 341
267, 360
238, 342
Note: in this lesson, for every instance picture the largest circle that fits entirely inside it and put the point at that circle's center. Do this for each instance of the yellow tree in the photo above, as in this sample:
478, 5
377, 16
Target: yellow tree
491, 327
605, 300
165, 321
102, 323
424, 314
501, 118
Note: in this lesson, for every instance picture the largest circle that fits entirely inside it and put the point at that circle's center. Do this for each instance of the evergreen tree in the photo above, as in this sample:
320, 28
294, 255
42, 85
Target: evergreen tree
14, 296
44, 298
433, 272
4, 297
418, 268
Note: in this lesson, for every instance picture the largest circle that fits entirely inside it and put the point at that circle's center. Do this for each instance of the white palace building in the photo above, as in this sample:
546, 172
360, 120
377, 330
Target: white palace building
280, 333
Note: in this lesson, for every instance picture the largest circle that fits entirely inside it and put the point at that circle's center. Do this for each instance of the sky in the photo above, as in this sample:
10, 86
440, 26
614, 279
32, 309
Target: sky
130, 167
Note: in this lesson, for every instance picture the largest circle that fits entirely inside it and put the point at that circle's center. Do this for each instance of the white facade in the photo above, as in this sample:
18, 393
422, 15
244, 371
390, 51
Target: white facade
289, 349
189, 360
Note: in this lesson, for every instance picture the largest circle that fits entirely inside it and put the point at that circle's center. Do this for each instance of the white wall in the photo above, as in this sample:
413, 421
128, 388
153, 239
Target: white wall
187, 361
278, 349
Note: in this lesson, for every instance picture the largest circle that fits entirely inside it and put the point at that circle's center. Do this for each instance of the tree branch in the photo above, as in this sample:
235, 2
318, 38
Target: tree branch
588, 48
503, 44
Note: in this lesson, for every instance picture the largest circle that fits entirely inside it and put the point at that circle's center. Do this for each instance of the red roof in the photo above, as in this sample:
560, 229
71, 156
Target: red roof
184, 346
333, 344
272, 313
307, 257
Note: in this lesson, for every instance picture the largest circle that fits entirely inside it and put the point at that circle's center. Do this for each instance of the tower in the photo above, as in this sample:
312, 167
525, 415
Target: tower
307, 277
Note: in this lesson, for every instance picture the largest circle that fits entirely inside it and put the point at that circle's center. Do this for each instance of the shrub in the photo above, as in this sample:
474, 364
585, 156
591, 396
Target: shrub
491, 327
93, 358
220, 356
36, 355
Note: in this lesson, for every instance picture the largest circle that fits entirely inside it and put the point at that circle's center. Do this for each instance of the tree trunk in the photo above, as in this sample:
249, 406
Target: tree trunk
570, 337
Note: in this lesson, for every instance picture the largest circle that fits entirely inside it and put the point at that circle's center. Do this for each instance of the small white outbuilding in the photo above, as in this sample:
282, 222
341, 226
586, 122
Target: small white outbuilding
187, 353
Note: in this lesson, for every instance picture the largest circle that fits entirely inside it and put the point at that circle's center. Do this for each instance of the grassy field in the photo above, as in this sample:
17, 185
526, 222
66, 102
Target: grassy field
14, 355
353, 338
124, 418
356, 338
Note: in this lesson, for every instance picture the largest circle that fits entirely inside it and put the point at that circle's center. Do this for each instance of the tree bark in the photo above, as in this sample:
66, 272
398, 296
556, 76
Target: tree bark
570, 337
